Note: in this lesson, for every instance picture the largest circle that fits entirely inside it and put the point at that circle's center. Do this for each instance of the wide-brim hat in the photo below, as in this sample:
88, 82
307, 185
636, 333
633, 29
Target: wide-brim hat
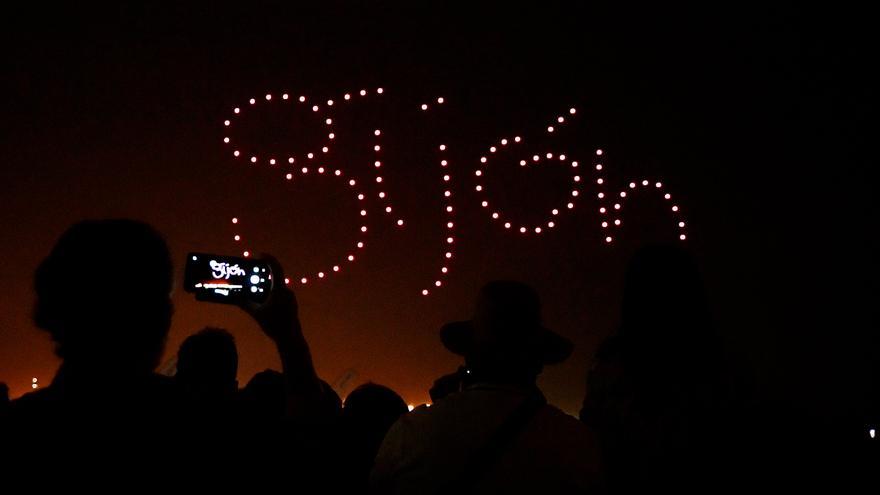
513, 309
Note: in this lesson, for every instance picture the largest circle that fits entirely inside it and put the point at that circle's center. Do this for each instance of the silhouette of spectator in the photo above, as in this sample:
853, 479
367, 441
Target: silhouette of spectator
498, 434
655, 390
4, 399
264, 397
103, 294
367, 415
207, 366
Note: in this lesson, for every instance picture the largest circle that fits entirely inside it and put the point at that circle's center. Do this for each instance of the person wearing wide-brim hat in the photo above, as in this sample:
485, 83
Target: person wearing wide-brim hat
495, 432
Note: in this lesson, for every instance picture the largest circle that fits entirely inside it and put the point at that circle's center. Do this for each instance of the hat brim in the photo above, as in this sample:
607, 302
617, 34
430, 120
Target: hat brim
552, 348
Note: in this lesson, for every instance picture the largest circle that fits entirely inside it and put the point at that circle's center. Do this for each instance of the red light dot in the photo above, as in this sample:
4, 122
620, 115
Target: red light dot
246, 254
234, 220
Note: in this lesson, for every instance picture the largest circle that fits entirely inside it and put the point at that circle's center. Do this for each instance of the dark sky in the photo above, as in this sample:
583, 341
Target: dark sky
757, 118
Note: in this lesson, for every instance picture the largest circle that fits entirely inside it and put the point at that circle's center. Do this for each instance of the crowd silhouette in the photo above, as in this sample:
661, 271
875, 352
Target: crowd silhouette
660, 411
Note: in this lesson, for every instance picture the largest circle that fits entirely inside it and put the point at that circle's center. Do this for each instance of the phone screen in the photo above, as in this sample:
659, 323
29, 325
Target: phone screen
227, 279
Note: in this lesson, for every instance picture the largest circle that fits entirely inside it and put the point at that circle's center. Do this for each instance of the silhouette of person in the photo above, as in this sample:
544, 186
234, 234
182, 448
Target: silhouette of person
4, 399
103, 295
367, 415
654, 393
498, 434
207, 367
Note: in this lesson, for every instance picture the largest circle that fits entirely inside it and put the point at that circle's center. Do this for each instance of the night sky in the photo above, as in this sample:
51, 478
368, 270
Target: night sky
757, 119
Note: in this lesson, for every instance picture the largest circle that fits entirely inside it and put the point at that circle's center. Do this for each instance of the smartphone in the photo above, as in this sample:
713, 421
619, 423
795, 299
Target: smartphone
227, 279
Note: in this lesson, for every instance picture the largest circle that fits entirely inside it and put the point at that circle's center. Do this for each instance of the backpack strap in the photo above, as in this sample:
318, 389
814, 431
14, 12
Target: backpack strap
483, 459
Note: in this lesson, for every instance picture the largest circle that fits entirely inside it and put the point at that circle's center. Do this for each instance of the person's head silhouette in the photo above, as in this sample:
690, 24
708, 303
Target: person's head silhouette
103, 294
505, 341
665, 316
371, 409
207, 365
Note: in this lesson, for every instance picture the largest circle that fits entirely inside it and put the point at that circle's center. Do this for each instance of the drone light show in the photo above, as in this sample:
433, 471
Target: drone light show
292, 166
